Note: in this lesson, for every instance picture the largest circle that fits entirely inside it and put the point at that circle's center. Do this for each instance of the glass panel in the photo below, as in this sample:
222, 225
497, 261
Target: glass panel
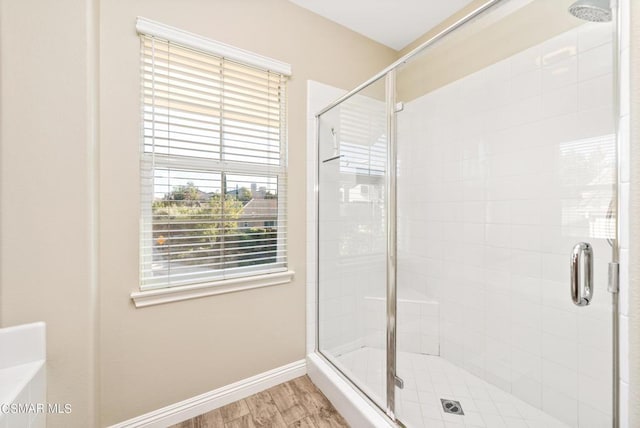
352, 239
506, 160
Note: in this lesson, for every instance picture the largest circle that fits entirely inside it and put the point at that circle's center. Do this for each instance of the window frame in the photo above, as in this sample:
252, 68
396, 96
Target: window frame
261, 276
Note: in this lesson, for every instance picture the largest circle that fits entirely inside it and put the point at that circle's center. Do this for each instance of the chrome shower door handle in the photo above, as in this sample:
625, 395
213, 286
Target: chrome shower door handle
582, 288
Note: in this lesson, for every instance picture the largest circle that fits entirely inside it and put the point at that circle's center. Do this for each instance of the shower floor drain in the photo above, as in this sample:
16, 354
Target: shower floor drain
451, 406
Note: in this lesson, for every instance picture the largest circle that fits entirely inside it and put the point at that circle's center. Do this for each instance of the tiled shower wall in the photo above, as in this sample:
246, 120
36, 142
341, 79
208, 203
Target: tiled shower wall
501, 173
353, 265
352, 272
352, 237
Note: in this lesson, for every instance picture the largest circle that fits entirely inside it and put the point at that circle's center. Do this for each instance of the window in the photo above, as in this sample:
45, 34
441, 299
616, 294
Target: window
213, 161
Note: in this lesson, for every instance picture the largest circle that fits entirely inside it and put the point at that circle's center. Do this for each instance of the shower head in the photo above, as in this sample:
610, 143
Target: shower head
591, 10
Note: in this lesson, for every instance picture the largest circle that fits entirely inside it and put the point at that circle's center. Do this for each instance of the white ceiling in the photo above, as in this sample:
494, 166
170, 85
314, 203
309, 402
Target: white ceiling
394, 23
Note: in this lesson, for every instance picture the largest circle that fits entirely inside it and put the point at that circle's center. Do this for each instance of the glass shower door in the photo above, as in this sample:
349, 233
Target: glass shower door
506, 171
352, 317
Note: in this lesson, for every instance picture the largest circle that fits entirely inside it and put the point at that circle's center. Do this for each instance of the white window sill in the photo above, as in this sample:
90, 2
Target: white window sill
176, 294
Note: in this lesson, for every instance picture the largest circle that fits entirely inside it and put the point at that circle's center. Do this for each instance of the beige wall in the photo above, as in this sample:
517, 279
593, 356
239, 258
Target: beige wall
442, 26
46, 152
159, 355
485, 41
155, 356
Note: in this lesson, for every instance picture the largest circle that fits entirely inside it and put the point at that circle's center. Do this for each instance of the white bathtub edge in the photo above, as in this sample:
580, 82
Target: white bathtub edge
351, 405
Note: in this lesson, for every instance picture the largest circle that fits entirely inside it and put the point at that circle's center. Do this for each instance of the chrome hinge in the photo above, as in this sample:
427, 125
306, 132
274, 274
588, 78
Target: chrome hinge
399, 106
399, 382
614, 277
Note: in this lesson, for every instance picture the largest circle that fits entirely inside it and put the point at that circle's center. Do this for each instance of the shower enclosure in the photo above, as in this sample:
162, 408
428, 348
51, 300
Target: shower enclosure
466, 215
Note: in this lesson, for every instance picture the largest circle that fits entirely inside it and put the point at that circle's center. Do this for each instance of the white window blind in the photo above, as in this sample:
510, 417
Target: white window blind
213, 167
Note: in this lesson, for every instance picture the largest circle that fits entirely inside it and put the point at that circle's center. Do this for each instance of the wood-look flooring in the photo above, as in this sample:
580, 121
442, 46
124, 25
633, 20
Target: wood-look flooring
297, 403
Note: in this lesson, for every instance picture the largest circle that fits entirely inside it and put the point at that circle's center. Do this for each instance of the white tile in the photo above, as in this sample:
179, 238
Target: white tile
502, 165
594, 326
623, 238
515, 422
411, 414
624, 282
529, 110
559, 48
499, 395
550, 422
592, 35
560, 378
408, 395
526, 365
526, 60
526, 263
595, 393
432, 409
498, 235
526, 338
592, 360
473, 419
625, 15
560, 74
474, 212
526, 237
623, 136
435, 423
595, 93
562, 101
486, 407
498, 373
494, 421
526, 313
526, 85
508, 410
624, 349
474, 233
554, 267
559, 322
559, 350
498, 259
526, 289
597, 121
624, 405
560, 406
525, 212
588, 417
595, 62
498, 72
625, 81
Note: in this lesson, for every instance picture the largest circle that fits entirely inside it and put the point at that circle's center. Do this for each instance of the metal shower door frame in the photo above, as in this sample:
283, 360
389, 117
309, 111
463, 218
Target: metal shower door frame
392, 243
390, 74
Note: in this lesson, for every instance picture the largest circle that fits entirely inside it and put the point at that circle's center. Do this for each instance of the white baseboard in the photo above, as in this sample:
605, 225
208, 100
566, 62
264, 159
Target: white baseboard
212, 400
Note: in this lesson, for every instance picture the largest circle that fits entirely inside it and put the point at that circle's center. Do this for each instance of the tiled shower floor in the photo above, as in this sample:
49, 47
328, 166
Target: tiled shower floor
428, 378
